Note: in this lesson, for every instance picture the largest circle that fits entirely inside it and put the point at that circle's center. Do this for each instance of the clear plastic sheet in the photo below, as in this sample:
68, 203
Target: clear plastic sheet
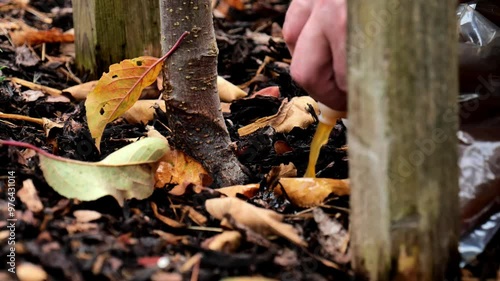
474, 27
480, 128
479, 161
479, 50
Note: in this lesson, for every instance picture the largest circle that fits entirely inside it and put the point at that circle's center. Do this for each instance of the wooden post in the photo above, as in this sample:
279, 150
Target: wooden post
108, 31
403, 119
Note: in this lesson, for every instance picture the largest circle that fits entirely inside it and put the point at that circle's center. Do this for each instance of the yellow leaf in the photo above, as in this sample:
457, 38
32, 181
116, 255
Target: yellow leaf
311, 192
229, 92
118, 90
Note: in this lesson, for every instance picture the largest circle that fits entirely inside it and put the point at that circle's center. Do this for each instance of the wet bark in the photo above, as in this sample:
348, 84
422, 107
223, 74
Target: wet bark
190, 89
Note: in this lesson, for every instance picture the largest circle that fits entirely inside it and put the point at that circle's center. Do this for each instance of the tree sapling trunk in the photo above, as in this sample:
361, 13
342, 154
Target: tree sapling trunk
190, 89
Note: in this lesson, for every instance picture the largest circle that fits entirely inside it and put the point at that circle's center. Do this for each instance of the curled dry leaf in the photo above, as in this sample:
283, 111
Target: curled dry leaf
262, 221
29, 196
80, 92
273, 91
281, 171
293, 113
248, 190
179, 169
49, 125
143, 111
311, 192
229, 92
227, 241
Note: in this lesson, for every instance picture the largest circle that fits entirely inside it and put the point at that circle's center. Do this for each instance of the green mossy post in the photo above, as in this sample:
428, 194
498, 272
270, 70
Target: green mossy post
403, 90
108, 31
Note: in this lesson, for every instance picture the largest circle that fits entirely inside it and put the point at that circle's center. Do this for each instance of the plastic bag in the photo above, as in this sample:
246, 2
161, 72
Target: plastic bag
474, 27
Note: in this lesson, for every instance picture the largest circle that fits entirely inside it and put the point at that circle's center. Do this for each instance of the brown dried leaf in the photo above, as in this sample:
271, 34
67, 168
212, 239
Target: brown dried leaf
248, 190
273, 91
229, 92
260, 220
48, 125
142, 111
80, 92
293, 113
311, 192
177, 168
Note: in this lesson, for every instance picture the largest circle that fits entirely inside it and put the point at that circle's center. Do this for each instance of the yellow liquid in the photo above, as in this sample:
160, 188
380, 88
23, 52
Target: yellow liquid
320, 138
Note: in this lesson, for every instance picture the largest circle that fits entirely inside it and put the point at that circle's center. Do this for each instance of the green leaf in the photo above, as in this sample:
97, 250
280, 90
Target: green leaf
124, 174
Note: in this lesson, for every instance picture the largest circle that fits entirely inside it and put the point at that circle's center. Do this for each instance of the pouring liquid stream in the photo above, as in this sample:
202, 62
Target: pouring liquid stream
320, 138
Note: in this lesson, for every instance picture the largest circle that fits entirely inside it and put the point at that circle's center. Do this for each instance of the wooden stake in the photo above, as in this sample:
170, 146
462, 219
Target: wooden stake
403, 119
107, 32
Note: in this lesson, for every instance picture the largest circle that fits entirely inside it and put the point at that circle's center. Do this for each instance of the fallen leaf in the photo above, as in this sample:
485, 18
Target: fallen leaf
262, 221
291, 114
48, 125
178, 169
25, 57
32, 95
30, 272
227, 241
311, 192
56, 99
124, 174
248, 190
80, 92
273, 91
29, 196
86, 215
118, 90
142, 111
281, 171
229, 92
168, 221
281, 147
35, 37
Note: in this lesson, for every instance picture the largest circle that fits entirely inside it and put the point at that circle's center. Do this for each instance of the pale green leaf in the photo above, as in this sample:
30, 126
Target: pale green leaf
124, 174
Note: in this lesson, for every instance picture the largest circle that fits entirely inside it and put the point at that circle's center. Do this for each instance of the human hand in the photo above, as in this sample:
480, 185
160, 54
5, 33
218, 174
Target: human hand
315, 32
